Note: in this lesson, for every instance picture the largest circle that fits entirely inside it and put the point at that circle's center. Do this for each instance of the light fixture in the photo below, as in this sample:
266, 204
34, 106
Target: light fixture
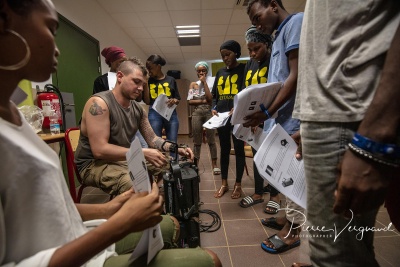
187, 31
188, 35
187, 26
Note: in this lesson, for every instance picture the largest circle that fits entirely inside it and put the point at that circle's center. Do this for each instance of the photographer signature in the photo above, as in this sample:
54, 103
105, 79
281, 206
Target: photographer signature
337, 232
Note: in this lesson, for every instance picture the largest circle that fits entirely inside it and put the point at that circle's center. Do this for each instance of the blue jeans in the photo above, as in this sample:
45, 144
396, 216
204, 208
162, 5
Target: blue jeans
171, 127
323, 148
157, 122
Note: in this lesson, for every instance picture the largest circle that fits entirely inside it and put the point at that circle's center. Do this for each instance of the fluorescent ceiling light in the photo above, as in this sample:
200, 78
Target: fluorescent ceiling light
187, 31
187, 26
189, 35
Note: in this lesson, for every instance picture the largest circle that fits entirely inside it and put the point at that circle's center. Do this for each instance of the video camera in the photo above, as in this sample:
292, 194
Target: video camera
182, 196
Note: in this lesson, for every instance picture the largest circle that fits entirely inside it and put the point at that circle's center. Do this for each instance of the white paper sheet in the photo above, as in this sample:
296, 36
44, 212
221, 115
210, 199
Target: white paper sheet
151, 240
217, 121
245, 134
276, 162
112, 79
248, 100
160, 105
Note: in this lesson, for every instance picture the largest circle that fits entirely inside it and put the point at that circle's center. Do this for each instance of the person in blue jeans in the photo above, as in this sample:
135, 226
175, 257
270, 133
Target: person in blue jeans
159, 83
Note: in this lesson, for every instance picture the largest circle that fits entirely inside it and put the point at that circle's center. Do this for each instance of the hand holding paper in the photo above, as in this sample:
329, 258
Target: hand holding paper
151, 240
248, 100
162, 108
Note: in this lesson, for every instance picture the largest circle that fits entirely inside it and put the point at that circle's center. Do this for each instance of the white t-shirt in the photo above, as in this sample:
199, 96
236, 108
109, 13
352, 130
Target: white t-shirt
37, 213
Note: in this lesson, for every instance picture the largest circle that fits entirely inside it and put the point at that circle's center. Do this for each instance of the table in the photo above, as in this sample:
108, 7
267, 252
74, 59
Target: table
52, 138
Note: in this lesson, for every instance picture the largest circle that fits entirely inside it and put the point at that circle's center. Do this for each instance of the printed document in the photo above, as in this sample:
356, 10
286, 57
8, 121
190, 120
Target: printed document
245, 134
217, 121
248, 100
160, 105
276, 162
151, 241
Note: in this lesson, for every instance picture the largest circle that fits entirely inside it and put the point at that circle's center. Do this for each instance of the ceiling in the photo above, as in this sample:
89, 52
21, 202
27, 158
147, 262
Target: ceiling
150, 24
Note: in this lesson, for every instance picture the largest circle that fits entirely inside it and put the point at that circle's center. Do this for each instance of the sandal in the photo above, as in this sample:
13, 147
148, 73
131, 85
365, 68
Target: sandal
222, 190
237, 192
279, 245
272, 207
272, 223
249, 201
217, 171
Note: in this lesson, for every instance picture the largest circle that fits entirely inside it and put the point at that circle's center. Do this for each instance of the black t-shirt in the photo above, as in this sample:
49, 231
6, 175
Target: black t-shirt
228, 82
255, 72
165, 86
101, 84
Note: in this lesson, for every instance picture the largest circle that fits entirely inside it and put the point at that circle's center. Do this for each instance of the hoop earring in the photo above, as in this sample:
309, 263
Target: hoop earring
25, 60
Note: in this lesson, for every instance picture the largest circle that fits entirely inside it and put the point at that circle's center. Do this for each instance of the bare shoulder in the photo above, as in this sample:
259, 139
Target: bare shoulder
96, 106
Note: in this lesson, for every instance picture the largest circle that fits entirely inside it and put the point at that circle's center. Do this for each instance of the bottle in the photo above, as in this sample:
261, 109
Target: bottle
54, 124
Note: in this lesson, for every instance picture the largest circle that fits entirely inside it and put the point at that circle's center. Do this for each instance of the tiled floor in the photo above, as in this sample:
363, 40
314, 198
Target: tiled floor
237, 242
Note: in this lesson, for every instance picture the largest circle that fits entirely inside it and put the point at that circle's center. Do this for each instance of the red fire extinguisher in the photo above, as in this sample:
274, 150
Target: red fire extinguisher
48, 101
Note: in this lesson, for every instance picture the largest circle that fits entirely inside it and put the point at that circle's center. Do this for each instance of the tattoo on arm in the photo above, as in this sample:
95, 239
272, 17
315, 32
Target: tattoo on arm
96, 109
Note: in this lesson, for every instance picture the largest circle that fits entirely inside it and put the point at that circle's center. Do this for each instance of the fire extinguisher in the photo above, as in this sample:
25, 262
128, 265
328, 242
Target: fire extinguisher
48, 101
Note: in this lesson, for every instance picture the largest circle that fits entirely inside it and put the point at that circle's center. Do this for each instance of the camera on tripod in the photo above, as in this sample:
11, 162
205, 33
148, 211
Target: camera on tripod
182, 196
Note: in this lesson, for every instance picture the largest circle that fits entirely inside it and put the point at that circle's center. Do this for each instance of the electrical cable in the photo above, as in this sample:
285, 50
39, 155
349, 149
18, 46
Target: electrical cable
214, 225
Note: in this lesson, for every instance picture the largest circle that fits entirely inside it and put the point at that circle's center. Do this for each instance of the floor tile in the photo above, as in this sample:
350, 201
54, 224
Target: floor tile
237, 242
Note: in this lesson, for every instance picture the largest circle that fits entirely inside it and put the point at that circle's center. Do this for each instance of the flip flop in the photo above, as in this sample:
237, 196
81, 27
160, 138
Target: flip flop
272, 205
249, 201
279, 245
217, 171
271, 223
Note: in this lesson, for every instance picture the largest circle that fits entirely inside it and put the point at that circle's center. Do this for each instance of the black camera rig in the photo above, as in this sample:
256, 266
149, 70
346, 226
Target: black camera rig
182, 196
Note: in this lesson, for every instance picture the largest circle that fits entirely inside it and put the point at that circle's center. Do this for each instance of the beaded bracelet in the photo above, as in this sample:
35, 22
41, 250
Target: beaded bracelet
365, 154
263, 109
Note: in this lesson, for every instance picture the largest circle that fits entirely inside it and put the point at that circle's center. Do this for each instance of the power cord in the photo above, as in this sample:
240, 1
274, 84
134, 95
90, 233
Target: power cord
214, 225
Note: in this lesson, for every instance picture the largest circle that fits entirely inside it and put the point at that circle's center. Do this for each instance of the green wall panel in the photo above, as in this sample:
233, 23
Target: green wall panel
78, 63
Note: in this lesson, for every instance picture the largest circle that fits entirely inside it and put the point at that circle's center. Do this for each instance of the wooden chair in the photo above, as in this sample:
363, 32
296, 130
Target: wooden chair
71, 143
